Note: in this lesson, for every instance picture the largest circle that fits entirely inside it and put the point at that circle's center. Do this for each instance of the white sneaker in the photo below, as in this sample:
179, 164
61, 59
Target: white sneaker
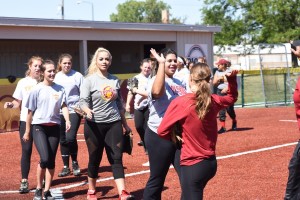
147, 164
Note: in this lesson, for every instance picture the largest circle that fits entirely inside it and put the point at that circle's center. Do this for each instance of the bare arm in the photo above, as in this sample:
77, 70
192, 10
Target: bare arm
128, 101
65, 113
158, 88
28, 126
297, 51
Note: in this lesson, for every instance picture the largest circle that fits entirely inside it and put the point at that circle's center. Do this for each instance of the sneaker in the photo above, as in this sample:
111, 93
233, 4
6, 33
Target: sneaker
91, 195
222, 130
146, 164
140, 143
64, 172
76, 169
24, 187
234, 126
126, 196
48, 196
38, 194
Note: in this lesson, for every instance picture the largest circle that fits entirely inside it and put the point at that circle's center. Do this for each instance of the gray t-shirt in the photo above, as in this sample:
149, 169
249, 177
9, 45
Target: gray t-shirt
45, 102
158, 107
102, 95
71, 82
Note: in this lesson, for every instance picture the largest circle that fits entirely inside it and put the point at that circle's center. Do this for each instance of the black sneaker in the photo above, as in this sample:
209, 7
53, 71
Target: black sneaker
76, 169
64, 172
234, 126
24, 187
48, 196
222, 130
38, 194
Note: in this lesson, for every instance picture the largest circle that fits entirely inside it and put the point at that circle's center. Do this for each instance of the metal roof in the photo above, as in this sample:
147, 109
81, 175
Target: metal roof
80, 24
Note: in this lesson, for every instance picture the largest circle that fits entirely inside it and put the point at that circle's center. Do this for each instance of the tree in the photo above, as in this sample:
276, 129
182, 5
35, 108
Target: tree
253, 21
148, 11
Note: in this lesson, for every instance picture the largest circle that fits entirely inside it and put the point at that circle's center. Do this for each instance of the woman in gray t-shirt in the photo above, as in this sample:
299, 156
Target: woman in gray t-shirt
100, 99
44, 104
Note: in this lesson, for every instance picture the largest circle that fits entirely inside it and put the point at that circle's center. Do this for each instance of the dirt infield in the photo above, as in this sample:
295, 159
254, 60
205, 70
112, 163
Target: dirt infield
252, 163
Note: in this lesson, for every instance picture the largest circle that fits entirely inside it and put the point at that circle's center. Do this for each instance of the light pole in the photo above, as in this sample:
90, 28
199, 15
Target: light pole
79, 2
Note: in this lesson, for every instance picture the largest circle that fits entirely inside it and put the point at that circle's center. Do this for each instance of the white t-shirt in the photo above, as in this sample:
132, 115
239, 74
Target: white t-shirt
71, 82
183, 75
24, 87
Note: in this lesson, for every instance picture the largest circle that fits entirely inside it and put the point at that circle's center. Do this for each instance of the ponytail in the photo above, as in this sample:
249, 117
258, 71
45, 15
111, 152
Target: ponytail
200, 76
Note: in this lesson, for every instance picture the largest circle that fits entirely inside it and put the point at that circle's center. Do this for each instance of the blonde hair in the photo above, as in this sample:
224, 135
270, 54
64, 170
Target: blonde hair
29, 63
61, 57
93, 66
200, 76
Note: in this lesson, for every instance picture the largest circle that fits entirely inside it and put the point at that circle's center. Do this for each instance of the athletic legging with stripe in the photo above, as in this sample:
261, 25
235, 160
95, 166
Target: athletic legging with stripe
26, 151
68, 141
46, 140
104, 135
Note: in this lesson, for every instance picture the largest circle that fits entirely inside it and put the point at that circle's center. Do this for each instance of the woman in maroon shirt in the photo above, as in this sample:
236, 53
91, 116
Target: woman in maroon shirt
196, 113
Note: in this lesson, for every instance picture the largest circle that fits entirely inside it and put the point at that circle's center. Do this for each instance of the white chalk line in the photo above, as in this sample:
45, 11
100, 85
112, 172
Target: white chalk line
57, 192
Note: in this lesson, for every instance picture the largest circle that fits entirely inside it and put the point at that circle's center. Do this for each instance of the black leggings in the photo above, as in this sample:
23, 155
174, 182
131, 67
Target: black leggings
229, 110
46, 140
293, 183
195, 177
104, 135
68, 141
162, 153
140, 121
26, 150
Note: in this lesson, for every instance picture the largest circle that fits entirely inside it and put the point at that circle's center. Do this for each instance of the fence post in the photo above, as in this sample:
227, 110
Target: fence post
284, 80
242, 89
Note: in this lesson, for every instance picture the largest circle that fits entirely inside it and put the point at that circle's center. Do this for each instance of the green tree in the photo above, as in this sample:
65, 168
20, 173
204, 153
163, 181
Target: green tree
253, 21
148, 11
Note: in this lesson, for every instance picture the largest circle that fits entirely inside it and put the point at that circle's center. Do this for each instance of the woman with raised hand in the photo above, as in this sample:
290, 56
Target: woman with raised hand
20, 95
196, 114
44, 104
71, 80
101, 100
163, 88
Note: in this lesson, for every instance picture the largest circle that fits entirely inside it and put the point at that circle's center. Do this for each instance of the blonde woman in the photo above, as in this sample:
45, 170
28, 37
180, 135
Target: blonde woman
100, 99
21, 93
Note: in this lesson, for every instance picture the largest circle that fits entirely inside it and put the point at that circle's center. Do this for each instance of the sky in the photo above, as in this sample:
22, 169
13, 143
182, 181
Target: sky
50, 9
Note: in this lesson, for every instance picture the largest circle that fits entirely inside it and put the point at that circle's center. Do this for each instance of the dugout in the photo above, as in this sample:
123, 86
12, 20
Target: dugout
128, 43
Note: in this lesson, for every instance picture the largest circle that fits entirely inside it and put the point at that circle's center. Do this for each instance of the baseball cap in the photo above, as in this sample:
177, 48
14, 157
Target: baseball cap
222, 62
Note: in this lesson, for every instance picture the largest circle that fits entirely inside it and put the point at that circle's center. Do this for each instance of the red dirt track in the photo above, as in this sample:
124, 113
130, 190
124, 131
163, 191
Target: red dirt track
256, 175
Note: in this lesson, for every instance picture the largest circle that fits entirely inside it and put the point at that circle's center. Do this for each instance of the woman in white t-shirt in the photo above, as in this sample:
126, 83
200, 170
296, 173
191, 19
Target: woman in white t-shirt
139, 92
20, 96
71, 80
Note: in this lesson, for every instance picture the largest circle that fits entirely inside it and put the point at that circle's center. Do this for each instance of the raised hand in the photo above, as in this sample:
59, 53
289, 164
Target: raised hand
160, 58
232, 73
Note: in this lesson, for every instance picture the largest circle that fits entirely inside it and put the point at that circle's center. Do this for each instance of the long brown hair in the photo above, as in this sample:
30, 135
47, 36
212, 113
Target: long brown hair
61, 57
30, 61
200, 77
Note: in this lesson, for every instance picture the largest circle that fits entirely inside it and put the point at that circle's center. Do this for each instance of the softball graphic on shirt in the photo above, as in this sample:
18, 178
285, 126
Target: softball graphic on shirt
108, 93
